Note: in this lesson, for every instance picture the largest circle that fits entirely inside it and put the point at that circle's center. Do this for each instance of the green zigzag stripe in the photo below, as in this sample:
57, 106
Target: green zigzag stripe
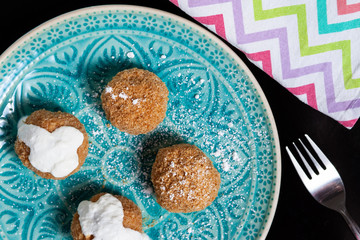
305, 49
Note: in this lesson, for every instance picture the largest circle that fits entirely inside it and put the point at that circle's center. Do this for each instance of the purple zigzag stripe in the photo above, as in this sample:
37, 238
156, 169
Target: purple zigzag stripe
281, 35
198, 3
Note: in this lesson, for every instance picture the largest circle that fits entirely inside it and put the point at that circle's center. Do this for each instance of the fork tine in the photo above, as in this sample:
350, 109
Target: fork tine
321, 155
313, 159
297, 166
311, 172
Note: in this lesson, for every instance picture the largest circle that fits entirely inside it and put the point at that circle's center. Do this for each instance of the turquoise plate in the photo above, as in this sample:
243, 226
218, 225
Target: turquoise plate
215, 103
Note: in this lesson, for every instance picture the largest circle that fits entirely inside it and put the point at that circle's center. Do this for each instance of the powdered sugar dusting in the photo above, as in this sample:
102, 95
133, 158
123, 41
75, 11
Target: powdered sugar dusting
108, 89
148, 190
218, 153
123, 95
130, 55
235, 156
226, 166
135, 101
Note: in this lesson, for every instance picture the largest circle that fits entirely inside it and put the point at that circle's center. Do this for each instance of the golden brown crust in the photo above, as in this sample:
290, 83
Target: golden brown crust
184, 179
142, 103
51, 121
132, 217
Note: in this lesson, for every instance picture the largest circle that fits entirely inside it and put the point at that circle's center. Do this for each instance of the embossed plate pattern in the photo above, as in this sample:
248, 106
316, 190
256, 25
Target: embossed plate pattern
215, 103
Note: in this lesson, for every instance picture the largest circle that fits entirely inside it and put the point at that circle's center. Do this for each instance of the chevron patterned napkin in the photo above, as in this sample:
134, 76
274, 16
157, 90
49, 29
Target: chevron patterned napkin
310, 47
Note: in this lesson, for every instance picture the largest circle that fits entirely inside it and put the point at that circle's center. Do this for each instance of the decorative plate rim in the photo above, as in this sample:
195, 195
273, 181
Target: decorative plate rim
22, 40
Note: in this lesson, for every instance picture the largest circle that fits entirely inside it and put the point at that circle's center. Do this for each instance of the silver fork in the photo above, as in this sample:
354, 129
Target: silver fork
326, 186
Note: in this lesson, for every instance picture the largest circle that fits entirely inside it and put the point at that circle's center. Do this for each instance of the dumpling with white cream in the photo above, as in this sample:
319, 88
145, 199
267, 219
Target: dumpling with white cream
108, 216
52, 144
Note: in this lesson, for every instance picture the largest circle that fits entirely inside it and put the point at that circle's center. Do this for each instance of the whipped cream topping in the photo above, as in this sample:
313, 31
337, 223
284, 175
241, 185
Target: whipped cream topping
54, 152
104, 220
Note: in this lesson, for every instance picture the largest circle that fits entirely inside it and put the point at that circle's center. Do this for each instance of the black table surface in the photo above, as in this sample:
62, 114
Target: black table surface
298, 215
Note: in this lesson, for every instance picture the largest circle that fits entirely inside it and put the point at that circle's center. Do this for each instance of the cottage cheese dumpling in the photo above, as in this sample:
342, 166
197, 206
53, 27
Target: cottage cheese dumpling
184, 179
52, 144
135, 101
107, 216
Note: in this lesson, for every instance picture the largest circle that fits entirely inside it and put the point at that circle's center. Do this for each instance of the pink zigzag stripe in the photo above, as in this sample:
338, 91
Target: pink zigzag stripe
349, 123
281, 35
343, 8
265, 58
175, 2
217, 20
309, 90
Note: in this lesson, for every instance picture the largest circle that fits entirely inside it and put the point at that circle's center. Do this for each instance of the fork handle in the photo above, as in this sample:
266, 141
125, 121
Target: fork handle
352, 224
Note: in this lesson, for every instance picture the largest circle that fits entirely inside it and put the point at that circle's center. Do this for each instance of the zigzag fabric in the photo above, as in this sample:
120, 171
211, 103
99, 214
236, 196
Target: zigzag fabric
310, 47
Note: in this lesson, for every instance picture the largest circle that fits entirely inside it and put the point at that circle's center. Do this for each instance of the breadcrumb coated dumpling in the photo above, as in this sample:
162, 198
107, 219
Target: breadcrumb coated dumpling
135, 101
132, 217
184, 179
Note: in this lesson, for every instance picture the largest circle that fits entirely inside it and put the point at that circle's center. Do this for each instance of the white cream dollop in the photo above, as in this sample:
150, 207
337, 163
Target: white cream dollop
54, 152
104, 220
